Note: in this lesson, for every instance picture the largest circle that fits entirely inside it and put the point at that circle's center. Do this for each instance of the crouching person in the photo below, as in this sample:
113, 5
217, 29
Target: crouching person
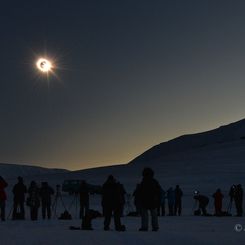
203, 203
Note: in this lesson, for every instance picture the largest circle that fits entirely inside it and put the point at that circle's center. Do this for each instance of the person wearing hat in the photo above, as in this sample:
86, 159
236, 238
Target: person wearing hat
19, 191
112, 203
203, 203
149, 194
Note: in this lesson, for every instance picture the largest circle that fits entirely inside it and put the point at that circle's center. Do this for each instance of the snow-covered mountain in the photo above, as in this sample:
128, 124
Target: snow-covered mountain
205, 161
229, 134
14, 170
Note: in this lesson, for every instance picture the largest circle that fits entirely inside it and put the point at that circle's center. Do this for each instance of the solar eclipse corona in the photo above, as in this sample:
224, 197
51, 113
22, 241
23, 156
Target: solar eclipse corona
44, 65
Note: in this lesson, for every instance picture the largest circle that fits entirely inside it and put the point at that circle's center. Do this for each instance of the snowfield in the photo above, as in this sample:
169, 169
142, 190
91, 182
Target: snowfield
187, 229
173, 231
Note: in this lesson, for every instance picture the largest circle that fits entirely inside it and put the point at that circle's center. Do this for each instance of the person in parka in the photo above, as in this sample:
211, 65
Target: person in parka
33, 200
122, 199
203, 203
178, 200
238, 198
19, 192
45, 193
171, 201
111, 203
3, 197
137, 203
84, 198
161, 207
149, 192
218, 198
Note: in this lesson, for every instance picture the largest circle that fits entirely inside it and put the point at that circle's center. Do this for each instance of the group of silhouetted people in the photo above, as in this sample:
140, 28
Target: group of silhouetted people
235, 194
36, 197
149, 197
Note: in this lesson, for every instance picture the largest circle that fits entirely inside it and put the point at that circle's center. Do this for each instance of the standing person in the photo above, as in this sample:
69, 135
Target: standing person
238, 198
45, 193
3, 197
203, 203
111, 203
122, 198
149, 198
178, 200
171, 201
136, 195
161, 208
84, 199
218, 198
33, 200
19, 192
231, 195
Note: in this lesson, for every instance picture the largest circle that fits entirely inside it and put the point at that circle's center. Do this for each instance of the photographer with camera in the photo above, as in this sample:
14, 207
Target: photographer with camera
45, 193
203, 203
238, 198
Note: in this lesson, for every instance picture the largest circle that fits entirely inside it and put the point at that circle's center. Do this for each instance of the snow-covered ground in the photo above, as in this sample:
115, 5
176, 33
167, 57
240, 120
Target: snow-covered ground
187, 229
173, 231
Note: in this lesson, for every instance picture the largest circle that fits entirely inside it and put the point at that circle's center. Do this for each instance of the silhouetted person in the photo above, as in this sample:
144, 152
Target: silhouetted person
111, 203
19, 191
238, 198
33, 200
122, 197
3, 197
231, 195
161, 207
178, 200
137, 203
84, 199
149, 196
218, 198
45, 193
203, 203
171, 201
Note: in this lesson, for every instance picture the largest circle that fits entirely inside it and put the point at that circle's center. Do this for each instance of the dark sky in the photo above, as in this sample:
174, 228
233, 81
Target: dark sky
131, 74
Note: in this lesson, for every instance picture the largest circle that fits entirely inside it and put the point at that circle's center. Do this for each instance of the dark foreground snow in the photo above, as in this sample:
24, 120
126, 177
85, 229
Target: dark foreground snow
173, 230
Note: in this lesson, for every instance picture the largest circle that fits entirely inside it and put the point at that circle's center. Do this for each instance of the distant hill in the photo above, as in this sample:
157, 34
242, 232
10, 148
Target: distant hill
15, 170
226, 134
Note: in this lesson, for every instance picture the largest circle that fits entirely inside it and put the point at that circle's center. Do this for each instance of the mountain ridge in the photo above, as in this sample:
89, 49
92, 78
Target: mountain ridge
223, 134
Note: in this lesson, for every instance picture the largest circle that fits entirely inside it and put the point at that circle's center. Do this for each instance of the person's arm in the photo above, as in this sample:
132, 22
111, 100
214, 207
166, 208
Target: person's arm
3, 183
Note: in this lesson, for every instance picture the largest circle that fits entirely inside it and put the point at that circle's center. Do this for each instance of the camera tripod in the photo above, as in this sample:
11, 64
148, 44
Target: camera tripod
58, 197
128, 204
75, 201
229, 206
